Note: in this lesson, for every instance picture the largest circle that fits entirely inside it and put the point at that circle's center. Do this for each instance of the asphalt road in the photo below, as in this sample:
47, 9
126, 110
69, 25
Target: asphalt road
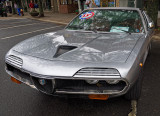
21, 100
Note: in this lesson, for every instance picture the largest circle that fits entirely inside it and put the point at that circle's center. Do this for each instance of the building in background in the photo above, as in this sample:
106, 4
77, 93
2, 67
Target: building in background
71, 6
67, 6
122, 3
54, 5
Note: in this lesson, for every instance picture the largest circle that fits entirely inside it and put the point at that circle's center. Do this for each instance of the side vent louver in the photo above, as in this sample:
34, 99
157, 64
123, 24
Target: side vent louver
63, 49
15, 61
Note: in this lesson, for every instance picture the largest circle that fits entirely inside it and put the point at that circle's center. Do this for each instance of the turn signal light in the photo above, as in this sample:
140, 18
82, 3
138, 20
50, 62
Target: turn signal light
15, 80
141, 64
98, 97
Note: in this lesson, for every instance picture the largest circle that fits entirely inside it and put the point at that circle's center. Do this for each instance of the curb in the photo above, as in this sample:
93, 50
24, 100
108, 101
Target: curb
156, 37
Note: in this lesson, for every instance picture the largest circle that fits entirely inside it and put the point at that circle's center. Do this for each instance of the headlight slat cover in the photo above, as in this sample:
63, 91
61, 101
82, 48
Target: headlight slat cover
96, 72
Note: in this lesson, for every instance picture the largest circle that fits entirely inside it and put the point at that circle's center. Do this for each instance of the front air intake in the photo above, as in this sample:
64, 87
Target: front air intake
63, 49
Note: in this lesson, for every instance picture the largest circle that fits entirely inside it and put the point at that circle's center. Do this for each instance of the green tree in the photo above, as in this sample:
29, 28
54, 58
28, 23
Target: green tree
13, 10
41, 13
152, 10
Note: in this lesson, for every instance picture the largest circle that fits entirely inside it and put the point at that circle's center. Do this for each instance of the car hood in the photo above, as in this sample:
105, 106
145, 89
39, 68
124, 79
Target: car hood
80, 46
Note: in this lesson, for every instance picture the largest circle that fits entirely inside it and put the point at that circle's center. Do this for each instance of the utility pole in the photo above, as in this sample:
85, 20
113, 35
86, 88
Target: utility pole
79, 6
22, 4
135, 3
41, 13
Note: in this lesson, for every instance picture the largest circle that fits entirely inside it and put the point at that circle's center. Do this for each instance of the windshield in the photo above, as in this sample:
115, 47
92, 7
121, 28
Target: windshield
108, 20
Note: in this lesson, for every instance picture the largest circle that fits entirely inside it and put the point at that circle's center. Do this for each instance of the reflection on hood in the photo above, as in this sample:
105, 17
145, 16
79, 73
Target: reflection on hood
88, 47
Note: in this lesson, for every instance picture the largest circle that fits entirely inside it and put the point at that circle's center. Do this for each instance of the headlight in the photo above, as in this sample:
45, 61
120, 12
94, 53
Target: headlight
92, 81
112, 81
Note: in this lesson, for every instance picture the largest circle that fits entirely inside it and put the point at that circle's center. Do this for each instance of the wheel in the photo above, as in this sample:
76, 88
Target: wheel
135, 92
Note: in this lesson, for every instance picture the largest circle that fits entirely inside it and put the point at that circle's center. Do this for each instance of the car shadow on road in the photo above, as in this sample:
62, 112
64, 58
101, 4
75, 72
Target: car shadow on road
82, 107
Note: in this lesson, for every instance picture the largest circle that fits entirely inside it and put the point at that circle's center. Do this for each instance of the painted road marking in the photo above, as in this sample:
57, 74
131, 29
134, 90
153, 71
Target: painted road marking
11, 19
30, 32
58, 22
134, 108
19, 26
19, 22
13, 23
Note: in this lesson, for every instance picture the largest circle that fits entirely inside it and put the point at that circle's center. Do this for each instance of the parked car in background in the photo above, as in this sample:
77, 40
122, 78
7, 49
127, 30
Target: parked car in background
100, 54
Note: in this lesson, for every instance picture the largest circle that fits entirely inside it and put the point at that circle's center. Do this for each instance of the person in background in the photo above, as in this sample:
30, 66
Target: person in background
88, 3
82, 4
8, 5
36, 6
31, 5
1, 9
16, 7
96, 3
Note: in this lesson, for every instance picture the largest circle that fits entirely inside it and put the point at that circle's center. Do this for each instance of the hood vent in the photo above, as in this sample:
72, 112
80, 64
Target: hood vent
63, 49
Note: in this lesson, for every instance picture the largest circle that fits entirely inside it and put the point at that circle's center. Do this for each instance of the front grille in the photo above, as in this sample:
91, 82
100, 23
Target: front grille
97, 72
81, 86
15, 61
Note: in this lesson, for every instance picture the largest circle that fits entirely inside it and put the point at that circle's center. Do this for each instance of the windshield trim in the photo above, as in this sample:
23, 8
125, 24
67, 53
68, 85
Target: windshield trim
101, 32
119, 8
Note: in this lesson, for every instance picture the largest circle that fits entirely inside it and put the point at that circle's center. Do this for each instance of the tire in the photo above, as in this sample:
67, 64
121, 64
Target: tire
150, 47
135, 92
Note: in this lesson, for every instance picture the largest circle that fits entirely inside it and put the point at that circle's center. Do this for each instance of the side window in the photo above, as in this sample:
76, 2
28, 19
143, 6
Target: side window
145, 19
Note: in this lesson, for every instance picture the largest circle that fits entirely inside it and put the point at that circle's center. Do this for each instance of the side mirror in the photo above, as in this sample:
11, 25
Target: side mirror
151, 25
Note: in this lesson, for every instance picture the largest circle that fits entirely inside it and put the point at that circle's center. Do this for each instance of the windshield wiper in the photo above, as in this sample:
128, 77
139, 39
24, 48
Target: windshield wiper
75, 26
123, 30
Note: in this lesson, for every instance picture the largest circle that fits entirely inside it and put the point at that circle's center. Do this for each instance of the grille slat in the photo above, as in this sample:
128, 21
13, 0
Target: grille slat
97, 72
13, 62
16, 61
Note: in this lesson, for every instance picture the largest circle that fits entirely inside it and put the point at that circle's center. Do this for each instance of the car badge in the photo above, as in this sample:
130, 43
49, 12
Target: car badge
86, 15
99, 85
42, 81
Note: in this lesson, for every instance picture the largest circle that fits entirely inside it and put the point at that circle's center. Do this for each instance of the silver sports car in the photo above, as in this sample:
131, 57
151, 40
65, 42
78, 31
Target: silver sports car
100, 54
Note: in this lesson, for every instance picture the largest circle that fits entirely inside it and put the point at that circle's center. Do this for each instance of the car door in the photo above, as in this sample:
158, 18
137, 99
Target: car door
149, 34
